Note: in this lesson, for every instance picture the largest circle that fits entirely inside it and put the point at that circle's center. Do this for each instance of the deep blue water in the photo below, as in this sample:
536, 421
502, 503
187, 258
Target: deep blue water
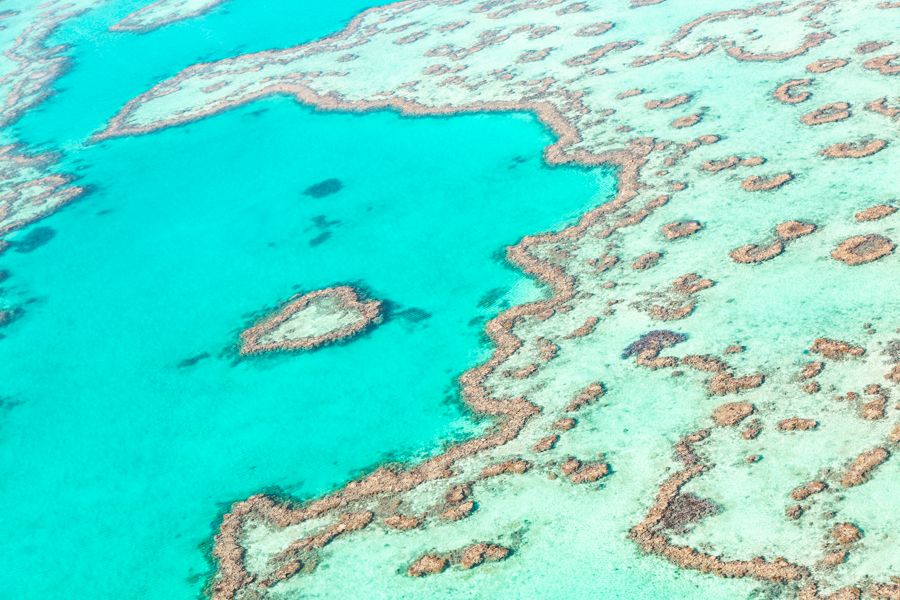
129, 425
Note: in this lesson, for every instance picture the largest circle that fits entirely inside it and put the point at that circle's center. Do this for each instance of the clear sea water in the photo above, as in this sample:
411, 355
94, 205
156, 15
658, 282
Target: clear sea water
118, 459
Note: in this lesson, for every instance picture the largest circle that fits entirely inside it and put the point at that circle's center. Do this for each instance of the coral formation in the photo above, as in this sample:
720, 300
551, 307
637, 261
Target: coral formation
861, 249
311, 320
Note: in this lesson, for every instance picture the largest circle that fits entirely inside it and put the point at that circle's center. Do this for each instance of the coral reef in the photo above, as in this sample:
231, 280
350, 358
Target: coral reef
311, 320
686, 149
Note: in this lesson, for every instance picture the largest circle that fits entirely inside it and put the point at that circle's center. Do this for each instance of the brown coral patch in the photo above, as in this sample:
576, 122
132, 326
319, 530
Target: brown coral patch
862, 466
753, 253
687, 121
533, 55
649, 345
731, 413
547, 350
668, 102
846, 593
791, 230
874, 213
846, 533
402, 522
629, 93
543, 31
428, 564
594, 29
874, 409
691, 283
752, 161
584, 329
704, 362
671, 313
671, 303
794, 512
411, 38
513, 466
861, 249
652, 362
686, 510
881, 107
811, 40
603, 263
575, 7
825, 65
726, 383
884, 591
787, 94
460, 511
785, 232
893, 374
645, 261
835, 349
523, 372
476, 554
714, 166
755, 183
586, 396
546, 443
808, 489
585, 472
833, 559
680, 229
458, 493
812, 369
570, 465
752, 431
854, 149
872, 46
828, 113
729, 162
565, 424
797, 424
595, 54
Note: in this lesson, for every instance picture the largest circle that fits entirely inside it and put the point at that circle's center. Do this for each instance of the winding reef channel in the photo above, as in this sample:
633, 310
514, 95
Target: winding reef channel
710, 393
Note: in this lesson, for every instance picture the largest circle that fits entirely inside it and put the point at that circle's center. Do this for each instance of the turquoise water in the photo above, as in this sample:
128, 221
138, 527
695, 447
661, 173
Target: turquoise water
118, 456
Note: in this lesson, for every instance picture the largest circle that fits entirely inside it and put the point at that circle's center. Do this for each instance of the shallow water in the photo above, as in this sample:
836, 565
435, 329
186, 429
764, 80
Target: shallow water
131, 425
